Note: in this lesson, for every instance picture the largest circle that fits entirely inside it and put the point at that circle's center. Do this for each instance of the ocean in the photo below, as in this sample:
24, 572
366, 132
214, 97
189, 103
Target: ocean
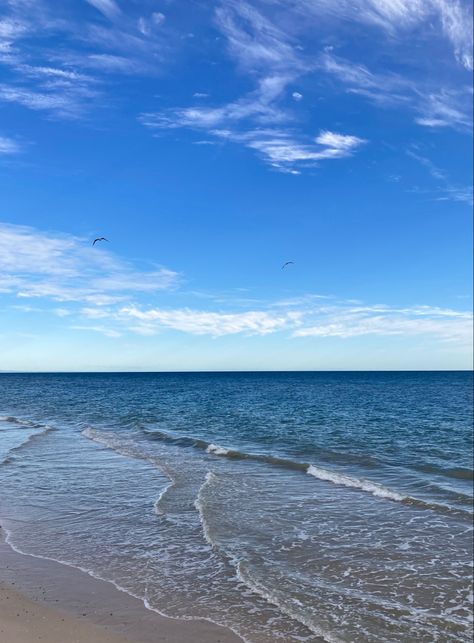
286, 506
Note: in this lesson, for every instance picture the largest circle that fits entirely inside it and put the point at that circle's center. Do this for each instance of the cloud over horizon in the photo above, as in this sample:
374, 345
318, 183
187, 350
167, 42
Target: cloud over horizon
112, 295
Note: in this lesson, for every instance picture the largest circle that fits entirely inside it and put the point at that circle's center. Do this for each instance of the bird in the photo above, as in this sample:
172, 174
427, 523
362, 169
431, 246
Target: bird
99, 239
287, 263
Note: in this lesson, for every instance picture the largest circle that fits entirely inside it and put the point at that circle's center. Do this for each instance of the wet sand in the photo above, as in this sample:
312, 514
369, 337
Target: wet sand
41, 600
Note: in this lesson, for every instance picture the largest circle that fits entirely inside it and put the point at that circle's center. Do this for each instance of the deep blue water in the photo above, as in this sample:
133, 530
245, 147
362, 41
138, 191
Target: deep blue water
288, 506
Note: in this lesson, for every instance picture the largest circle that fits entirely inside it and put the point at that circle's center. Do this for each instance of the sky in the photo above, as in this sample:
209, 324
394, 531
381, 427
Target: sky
210, 143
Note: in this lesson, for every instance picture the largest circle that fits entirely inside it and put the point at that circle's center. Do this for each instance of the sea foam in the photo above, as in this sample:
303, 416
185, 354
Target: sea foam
356, 483
217, 450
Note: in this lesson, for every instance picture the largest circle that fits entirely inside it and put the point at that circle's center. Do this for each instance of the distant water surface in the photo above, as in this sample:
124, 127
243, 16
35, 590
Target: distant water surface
287, 506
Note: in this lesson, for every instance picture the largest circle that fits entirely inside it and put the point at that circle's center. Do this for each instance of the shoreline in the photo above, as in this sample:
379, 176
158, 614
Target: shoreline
44, 600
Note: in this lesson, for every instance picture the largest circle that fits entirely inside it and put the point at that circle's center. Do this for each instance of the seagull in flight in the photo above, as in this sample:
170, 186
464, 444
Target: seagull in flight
99, 239
287, 263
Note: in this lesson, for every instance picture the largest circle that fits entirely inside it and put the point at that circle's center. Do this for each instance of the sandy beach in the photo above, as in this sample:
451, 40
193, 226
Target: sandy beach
41, 600
24, 621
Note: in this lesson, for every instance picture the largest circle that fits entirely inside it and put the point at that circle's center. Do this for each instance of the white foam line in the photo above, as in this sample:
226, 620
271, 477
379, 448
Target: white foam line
347, 481
200, 508
156, 505
254, 587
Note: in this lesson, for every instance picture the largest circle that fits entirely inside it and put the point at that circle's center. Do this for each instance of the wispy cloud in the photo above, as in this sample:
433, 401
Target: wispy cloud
103, 293
271, 47
266, 54
283, 149
259, 120
108, 7
445, 190
268, 44
431, 108
67, 83
450, 19
62, 99
286, 152
303, 317
456, 19
8, 146
103, 330
346, 321
198, 322
66, 268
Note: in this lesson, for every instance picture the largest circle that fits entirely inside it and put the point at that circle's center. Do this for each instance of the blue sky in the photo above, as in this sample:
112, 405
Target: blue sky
212, 142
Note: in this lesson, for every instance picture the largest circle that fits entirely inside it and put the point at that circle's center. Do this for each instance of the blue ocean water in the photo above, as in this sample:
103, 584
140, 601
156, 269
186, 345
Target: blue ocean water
286, 506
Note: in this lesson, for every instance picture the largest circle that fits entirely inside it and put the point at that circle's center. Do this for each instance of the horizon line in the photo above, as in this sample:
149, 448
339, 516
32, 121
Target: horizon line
177, 372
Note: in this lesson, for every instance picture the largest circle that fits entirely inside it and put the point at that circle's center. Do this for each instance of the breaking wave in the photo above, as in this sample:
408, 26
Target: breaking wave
327, 475
348, 481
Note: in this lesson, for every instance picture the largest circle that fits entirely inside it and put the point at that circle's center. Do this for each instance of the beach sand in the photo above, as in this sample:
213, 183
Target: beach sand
41, 600
24, 621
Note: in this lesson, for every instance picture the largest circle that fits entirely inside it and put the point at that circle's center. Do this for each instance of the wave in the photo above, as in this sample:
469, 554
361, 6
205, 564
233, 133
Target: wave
11, 419
356, 483
130, 450
122, 447
287, 605
38, 430
327, 475
217, 450
458, 473
210, 479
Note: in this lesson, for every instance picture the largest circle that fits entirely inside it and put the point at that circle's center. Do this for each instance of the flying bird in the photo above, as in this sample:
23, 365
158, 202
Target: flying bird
287, 263
99, 239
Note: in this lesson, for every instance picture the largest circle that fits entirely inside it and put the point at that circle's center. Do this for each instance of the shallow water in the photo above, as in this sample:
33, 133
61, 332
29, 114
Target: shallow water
287, 506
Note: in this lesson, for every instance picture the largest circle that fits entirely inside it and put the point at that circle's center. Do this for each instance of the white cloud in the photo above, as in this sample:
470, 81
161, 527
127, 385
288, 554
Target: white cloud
57, 83
451, 19
286, 152
432, 108
158, 18
281, 148
53, 72
297, 96
67, 268
456, 19
146, 25
197, 322
346, 322
255, 40
459, 194
109, 63
8, 146
338, 144
108, 7
446, 109
64, 101
266, 54
103, 330
445, 190
308, 316
12, 28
